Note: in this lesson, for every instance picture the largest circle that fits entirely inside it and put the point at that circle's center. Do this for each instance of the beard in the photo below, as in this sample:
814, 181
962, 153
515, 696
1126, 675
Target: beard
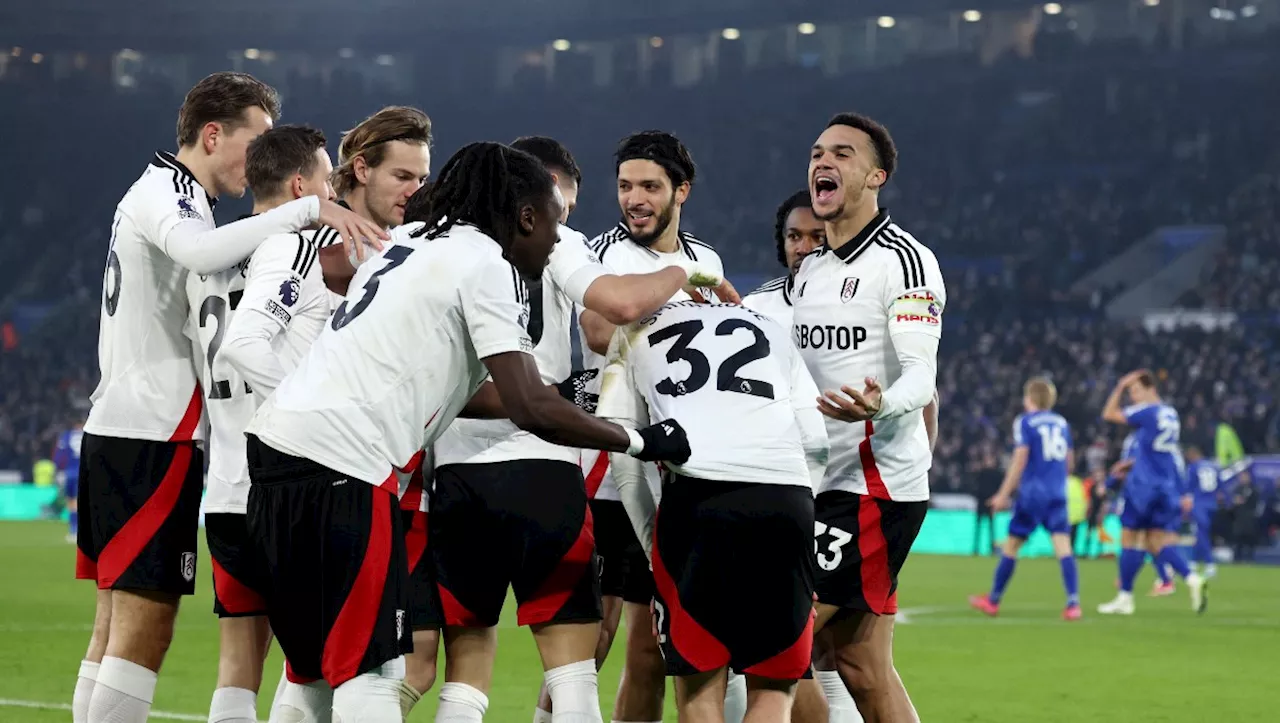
661, 221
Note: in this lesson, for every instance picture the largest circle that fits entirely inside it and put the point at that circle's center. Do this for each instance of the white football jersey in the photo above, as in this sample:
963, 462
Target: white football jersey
400, 357
849, 303
281, 287
620, 255
731, 377
214, 299
570, 272
773, 299
149, 388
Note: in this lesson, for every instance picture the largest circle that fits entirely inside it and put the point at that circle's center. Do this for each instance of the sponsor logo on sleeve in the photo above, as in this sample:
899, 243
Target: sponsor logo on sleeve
917, 308
278, 311
187, 209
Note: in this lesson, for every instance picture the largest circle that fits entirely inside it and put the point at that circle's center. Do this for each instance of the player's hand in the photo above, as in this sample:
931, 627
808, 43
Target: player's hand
575, 390
998, 502
726, 293
1130, 378
357, 231
856, 406
1187, 504
665, 441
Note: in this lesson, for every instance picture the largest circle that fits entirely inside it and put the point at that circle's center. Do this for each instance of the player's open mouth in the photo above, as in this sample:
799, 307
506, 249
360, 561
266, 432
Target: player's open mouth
639, 217
825, 187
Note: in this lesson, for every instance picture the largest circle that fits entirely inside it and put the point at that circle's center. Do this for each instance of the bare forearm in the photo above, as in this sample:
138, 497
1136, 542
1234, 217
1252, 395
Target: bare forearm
560, 422
597, 331
1111, 412
486, 403
624, 299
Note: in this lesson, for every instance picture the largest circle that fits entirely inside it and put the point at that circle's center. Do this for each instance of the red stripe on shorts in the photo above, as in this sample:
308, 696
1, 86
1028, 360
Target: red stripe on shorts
563, 580
875, 484
127, 544
234, 596
874, 550
86, 569
596, 476
791, 663
190, 419
698, 647
349, 638
455, 613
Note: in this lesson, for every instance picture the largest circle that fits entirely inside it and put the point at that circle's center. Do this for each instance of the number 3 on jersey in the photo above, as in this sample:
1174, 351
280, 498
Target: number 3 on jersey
394, 256
727, 379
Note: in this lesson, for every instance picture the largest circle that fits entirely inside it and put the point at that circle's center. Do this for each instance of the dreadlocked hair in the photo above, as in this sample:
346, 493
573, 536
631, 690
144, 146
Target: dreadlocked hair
799, 199
484, 184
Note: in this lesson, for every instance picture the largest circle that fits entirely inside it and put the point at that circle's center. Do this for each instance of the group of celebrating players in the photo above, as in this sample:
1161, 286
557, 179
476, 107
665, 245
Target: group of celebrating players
367, 346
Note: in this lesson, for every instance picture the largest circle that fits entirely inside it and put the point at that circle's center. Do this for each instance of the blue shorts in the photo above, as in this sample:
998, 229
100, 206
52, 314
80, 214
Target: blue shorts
1150, 510
1032, 513
71, 486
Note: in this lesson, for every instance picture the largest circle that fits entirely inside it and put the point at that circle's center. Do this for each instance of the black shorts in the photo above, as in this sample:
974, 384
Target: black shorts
862, 543
238, 574
139, 505
624, 568
333, 548
523, 524
733, 563
425, 612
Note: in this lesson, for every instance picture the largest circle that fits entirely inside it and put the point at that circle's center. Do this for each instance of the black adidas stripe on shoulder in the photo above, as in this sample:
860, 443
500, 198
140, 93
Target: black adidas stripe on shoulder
695, 240
305, 257
913, 275
770, 286
605, 241
327, 236
522, 292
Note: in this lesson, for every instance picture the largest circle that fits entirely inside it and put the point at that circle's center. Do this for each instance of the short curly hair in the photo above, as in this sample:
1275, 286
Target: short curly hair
881, 141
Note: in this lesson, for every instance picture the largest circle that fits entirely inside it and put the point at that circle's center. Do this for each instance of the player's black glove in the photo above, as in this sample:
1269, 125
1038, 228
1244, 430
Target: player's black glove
575, 390
664, 442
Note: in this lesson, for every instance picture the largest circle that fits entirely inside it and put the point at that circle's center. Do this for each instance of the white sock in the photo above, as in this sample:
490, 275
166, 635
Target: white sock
122, 693
85, 680
575, 693
539, 716
299, 703
839, 702
460, 703
735, 699
233, 705
373, 697
280, 688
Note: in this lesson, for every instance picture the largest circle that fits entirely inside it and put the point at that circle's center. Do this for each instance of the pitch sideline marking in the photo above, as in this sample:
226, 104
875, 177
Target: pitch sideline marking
40, 705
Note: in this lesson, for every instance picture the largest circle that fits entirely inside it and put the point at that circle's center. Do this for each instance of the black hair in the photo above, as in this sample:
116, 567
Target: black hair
418, 207
660, 147
799, 199
484, 184
275, 156
552, 153
881, 141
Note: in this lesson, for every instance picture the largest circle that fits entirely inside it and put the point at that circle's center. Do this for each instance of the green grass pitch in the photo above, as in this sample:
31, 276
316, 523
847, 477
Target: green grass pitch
1164, 665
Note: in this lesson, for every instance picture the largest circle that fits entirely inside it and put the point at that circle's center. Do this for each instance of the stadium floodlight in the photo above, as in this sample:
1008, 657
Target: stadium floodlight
886, 21
1248, 11
37, 58
972, 16
731, 34
1151, 3
655, 42
251, 53
16, 52
1052, 8
385, 60
806, 28
561, 45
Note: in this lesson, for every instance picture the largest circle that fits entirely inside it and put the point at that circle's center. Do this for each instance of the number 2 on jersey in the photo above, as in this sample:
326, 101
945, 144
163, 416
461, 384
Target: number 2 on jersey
215, 307
1170, 432
395, 256
727, 379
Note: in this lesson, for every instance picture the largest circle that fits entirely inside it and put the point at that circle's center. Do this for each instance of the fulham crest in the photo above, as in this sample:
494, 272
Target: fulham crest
188, 566
849, 289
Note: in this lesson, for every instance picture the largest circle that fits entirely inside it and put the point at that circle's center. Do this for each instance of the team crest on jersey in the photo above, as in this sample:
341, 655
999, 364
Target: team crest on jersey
289, 291
849, 289
187, 209
188, 566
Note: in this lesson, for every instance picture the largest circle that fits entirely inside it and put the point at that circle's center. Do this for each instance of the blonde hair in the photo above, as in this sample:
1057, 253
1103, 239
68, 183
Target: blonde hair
369, 140
1041, 392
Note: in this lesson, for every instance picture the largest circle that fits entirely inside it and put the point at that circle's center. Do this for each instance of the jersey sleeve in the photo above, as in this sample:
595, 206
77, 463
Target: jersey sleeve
1019, 431
915, 294
193, 245
573, 266
813, 431
495, 307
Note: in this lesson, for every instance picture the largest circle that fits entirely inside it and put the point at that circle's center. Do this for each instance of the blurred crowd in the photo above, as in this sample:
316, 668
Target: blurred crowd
1022, 177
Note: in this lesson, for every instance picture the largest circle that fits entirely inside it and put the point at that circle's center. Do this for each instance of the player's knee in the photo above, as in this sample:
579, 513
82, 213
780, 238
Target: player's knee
373, 697
420, 669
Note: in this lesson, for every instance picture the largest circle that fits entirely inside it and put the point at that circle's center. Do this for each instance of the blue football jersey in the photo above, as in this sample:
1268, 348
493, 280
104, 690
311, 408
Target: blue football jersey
1157, 452
1047, 437
66, 452
1203, 478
